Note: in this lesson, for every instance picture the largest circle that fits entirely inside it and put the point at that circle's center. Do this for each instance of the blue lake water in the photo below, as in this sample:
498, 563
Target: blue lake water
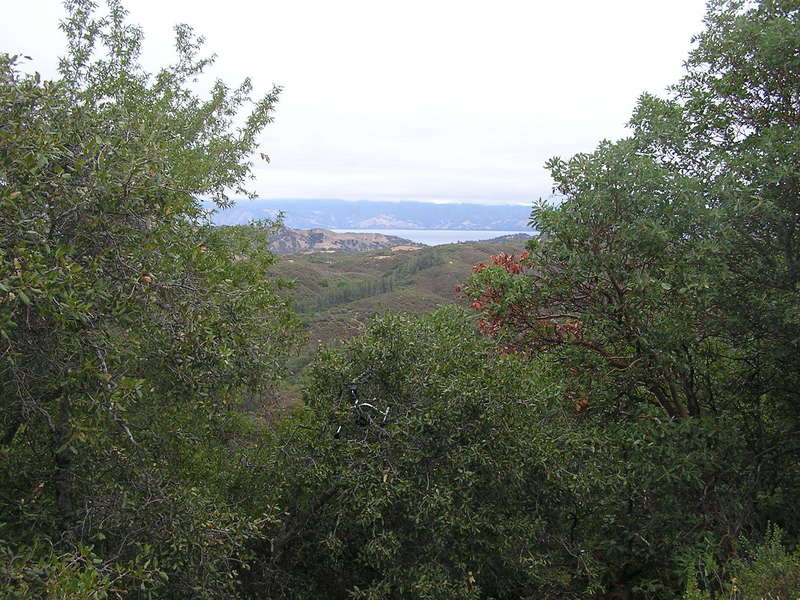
435, 237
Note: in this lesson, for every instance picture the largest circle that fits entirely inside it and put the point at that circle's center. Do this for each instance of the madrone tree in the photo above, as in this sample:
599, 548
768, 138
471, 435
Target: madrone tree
668, 273
664, 284
128, 325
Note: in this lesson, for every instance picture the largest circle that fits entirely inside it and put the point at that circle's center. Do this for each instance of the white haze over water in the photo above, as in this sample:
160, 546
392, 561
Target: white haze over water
436, 237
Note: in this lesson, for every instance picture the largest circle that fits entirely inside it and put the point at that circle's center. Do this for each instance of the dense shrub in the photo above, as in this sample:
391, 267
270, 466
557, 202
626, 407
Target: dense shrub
128, 325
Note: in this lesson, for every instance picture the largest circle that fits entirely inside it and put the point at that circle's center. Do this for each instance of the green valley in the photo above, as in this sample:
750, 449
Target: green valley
337, 293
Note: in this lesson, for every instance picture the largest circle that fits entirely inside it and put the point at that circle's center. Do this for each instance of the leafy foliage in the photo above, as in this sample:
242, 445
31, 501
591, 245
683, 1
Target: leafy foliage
623, 418
420, 444
466, 474
128, 325
766, 571
663, 283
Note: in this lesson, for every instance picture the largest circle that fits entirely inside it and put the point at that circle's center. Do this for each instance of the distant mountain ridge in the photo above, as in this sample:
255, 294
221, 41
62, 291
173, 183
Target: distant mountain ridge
341, 214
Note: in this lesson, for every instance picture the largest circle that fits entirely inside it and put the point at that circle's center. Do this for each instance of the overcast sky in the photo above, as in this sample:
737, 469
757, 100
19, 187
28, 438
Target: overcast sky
433, 100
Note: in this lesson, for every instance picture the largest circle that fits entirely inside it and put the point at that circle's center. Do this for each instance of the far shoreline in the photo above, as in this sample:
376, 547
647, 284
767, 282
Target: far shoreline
438, 237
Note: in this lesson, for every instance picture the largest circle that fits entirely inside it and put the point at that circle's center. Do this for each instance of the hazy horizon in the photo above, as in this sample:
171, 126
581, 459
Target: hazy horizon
448, 102
331, 214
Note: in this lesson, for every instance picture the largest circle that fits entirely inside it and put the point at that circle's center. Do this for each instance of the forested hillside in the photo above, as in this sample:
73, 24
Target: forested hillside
411, 279
337, 294
613, 413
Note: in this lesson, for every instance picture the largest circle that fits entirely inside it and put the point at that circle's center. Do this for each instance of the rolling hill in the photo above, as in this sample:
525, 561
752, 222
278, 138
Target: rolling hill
291, 241
337, 292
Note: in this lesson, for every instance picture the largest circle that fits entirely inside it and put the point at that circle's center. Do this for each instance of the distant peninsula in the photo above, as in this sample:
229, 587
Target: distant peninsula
292, 241
344, 214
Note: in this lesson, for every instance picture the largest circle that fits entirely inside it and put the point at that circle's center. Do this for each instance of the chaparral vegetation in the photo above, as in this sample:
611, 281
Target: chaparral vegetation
613, 413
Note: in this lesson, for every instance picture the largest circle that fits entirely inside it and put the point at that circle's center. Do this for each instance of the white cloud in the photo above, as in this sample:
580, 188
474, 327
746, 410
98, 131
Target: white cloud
426, 100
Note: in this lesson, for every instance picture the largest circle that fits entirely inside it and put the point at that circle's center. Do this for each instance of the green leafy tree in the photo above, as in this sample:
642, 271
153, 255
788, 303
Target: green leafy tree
663, 289
613, 286
731, 124
128, 325
428, 464
420, 469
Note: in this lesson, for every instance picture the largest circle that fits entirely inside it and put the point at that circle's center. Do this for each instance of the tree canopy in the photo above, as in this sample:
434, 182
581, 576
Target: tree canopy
129, 326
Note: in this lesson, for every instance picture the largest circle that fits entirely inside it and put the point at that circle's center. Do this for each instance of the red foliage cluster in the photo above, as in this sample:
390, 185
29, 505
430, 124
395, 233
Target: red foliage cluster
479, 267
509, 263
536, 327
491, 326
581, 404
